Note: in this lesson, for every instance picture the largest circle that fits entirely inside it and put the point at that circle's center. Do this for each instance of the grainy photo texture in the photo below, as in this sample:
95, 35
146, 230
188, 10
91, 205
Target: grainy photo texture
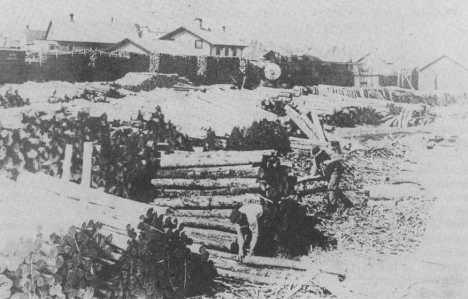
233, 149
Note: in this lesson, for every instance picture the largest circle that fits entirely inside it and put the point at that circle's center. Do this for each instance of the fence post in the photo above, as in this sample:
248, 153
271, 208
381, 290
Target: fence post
66, 165
87, 164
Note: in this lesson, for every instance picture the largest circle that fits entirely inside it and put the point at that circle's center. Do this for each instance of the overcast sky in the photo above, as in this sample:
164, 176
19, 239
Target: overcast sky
411, 31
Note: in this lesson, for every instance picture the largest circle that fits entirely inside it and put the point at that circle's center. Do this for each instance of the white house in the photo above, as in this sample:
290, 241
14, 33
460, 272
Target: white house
206, 41
445, 74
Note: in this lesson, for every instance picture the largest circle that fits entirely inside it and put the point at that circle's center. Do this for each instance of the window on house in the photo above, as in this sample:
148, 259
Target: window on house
226, 51
234, 51
198, 44
218, 51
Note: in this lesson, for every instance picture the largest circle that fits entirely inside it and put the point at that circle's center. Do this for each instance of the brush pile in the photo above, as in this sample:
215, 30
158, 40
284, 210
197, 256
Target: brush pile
12, 99
125, 154
375, 165
410, 117
353, 116
149, 81
275, 105
393, 227
158, 264
92, 94
260, 135
84, 263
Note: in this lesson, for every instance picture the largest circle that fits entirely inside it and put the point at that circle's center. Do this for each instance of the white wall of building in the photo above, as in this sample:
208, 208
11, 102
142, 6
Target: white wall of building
187, 41
444, 75
131, 48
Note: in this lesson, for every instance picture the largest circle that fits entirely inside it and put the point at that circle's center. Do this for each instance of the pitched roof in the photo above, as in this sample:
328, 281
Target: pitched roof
441, 58
210, 36
109, 33
155, 46
373, 64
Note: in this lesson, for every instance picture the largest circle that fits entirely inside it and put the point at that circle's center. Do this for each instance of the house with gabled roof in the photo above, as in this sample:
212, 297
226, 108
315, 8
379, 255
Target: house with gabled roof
371, 70
73, 35
443, 73
206, 41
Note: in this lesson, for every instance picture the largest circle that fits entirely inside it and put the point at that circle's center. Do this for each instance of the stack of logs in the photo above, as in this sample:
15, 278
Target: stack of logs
201, 189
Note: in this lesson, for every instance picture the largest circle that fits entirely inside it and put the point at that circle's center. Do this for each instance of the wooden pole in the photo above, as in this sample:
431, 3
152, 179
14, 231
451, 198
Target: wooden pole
87, 164
206, 202
66, 166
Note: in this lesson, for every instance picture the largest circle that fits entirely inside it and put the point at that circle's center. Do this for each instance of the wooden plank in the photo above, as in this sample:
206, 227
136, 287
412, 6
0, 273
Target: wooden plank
296, 118
318, 128
87, 164
66, 168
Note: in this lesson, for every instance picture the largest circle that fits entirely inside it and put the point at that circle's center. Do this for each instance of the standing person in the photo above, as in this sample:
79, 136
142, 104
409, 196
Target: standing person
331, 170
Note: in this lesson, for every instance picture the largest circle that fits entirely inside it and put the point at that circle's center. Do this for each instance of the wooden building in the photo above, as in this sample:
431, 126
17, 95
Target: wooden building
445, 74
206, 41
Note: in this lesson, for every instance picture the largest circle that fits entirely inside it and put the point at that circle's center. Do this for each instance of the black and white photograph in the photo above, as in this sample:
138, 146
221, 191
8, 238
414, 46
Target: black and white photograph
230, 149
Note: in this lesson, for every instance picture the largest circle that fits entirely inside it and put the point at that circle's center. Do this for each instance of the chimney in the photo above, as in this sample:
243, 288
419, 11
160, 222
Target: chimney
112, 20
223, 28
72, 17
200, 22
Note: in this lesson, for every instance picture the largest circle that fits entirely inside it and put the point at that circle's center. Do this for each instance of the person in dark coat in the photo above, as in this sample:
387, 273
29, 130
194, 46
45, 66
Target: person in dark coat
331, 170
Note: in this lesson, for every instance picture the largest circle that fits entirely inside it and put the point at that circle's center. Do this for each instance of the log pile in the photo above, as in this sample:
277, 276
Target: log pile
202, 200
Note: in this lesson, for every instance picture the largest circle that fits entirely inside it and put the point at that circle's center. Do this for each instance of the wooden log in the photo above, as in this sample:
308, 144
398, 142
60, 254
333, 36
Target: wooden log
318, 127
235, 274
213, 158
206, 202
264, 262
176, 193
210, 214
296, 118
250, 184
241, 171
211, 239
223, 225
